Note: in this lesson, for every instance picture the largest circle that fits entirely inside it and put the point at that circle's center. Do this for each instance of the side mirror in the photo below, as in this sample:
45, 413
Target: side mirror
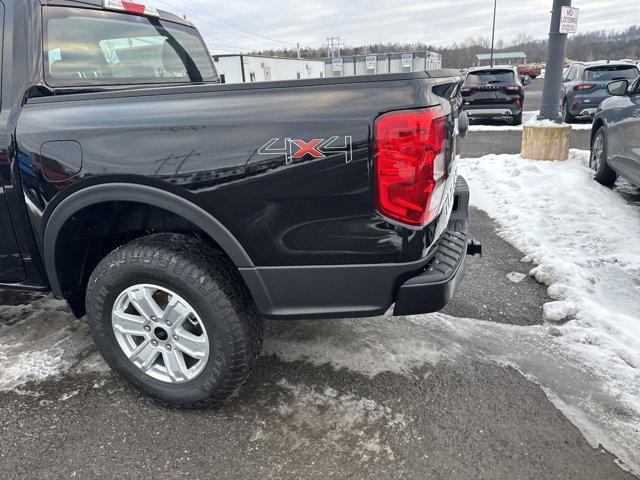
618, 88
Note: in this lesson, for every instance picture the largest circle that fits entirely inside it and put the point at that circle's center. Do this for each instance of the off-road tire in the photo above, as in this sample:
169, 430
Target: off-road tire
604, 174
206, 279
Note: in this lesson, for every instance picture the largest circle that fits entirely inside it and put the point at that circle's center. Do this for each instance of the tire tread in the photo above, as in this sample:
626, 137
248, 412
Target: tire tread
205, 269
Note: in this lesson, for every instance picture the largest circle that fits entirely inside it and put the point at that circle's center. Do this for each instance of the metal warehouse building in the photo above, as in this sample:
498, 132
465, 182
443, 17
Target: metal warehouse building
509, 58
382, 63
256, 68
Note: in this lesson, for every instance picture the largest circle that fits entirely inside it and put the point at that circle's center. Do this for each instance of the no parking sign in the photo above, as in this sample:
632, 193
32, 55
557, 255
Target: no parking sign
569, 20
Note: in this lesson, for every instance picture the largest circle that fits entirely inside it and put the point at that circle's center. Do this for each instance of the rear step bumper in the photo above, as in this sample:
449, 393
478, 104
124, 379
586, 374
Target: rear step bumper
433, 289
492, 112
342, 291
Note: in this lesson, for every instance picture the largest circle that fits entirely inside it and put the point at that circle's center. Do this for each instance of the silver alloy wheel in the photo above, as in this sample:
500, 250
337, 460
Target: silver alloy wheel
597, 152
160, 333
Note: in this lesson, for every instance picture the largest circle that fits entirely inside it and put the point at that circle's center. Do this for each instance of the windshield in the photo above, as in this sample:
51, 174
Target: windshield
490, 77
86, 47
607, 73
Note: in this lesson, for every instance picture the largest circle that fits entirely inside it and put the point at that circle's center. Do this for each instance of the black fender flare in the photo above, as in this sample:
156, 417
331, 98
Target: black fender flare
134, 192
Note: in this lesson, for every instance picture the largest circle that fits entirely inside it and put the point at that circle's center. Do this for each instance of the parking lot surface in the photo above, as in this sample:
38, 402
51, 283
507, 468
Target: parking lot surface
468, 393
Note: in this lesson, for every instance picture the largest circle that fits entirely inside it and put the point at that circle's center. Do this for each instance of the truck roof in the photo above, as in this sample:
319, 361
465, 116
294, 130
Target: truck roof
97, 4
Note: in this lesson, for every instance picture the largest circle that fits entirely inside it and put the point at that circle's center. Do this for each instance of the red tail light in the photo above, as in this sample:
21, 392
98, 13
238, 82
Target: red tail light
584, 86
409, 164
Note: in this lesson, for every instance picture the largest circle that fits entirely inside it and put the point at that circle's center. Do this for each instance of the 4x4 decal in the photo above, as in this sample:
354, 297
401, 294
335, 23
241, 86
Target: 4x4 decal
295, 149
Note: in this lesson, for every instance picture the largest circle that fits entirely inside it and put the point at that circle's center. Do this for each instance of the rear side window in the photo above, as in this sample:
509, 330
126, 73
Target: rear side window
490, 77
608, 73
85, 47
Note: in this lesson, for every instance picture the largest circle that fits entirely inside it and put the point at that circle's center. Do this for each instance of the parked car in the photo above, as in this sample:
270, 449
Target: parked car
584, 86
493, 92
615, 134
177, 212
529, 70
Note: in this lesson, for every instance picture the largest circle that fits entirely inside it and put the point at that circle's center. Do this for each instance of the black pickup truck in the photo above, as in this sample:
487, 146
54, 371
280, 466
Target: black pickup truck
176, 212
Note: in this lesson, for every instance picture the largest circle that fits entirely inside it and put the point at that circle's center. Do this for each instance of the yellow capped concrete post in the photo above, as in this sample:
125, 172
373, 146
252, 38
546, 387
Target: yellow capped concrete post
546, 140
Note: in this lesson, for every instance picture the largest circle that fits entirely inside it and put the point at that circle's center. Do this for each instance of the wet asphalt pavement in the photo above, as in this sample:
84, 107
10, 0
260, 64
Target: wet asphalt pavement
427, 397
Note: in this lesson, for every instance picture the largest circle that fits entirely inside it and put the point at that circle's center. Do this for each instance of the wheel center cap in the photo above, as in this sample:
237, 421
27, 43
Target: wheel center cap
161, 334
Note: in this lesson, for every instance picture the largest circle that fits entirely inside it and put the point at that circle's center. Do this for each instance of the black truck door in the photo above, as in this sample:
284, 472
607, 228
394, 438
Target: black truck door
11, 266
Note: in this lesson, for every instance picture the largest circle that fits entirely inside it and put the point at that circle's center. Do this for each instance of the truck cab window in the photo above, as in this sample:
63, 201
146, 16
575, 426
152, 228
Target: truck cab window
85, 47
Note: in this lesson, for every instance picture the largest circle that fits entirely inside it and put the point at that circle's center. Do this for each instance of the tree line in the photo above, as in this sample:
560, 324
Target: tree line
595, 45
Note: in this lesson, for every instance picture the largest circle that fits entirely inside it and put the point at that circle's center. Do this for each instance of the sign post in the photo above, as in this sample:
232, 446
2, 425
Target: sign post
564, 20
544, 141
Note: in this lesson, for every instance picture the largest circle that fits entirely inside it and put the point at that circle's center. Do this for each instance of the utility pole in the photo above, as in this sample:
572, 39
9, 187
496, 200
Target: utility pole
333, 45
298, 49
550, 108
493, 31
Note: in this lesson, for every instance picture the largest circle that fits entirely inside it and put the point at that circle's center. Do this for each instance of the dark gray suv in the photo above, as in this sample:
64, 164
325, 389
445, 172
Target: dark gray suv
615, 147
494, 92
584, 86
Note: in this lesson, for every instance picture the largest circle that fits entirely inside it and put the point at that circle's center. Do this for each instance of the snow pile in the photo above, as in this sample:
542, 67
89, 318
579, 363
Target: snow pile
583, 239
528, 118
534, 122
42, 340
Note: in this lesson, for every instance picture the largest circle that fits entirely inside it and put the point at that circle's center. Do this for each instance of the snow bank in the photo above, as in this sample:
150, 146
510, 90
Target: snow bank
42, 340
528, 118
583, 239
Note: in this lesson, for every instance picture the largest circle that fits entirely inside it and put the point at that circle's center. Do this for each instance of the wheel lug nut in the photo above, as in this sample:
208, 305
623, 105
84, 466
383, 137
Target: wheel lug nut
153, 319
168, 324
154, 343
147, 328
169, 347
175, 337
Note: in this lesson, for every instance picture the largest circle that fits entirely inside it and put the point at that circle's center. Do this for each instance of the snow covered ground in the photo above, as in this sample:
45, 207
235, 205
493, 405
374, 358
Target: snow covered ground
527, 118
582, 241
43, 340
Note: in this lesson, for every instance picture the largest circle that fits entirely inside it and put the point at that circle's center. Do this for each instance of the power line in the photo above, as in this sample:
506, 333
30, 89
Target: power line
215, 26
231, 25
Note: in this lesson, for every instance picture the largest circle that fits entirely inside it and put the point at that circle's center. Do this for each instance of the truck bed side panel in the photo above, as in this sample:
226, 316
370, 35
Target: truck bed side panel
228, 151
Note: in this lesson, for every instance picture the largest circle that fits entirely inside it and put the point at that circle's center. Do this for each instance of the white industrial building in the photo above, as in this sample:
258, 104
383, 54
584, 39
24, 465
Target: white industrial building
257, 68
382, 63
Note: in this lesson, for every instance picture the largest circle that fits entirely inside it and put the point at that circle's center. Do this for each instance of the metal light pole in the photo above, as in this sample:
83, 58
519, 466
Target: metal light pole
493, 31
550, 108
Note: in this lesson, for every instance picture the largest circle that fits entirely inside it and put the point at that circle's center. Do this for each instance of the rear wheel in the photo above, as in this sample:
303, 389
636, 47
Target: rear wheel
517, 119
172, 317
598, 160
566, 114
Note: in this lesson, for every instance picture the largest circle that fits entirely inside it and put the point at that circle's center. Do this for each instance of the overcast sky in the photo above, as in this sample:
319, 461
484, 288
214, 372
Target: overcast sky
245, 25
